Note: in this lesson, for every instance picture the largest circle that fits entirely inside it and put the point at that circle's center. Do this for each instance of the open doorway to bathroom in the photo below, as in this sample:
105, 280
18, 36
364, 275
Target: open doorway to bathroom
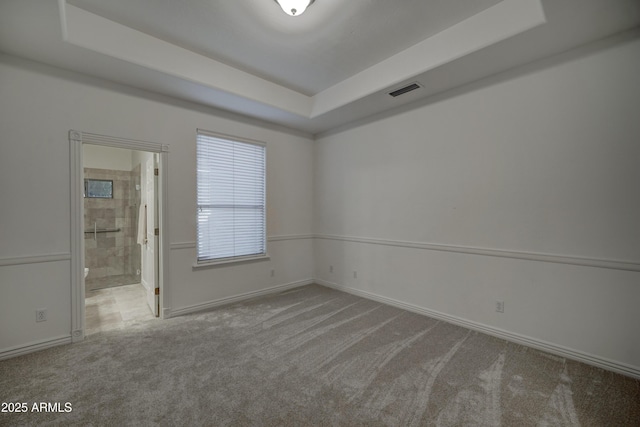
120, 244
157, 295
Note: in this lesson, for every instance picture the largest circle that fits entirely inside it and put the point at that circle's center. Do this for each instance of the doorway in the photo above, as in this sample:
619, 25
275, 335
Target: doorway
120, 245
118, 198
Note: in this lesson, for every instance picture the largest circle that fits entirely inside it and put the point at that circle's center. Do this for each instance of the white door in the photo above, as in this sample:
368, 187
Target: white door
150, 247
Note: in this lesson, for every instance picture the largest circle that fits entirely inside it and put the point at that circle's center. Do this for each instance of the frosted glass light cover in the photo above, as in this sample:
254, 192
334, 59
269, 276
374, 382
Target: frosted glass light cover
294, 7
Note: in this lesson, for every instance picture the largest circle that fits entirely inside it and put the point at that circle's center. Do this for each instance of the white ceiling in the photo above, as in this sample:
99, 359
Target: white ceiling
330, 66
332, 41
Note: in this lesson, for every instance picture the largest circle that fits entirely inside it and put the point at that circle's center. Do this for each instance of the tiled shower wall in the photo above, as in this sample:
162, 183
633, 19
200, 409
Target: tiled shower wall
113, 258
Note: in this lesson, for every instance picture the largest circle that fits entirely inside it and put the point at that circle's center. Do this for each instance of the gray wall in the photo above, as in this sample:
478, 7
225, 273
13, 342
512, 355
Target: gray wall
541, 162
38, 107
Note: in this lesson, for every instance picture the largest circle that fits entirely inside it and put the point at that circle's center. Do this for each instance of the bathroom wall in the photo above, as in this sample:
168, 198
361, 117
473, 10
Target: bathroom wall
113, 258
101, 157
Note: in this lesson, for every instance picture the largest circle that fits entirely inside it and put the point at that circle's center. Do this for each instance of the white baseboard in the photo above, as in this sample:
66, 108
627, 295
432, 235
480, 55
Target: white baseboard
600, 362
33, 346
236, 298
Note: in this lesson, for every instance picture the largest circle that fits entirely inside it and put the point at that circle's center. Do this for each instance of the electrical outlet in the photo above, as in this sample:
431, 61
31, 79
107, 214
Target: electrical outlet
331, 269
138, 272
41, 315
273, 272
355, 274
500, 306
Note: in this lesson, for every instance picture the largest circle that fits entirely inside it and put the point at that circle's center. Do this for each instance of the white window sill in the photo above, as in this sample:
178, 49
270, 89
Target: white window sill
228, 262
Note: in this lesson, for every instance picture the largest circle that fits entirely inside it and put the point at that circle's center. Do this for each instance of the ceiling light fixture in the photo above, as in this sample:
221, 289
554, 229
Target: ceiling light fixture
294, 7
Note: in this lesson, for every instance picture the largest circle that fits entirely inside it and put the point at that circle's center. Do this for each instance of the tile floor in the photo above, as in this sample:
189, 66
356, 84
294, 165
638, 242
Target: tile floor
113, 308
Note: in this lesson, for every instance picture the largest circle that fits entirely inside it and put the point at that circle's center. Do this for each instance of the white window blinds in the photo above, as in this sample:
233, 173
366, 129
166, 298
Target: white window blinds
231, 198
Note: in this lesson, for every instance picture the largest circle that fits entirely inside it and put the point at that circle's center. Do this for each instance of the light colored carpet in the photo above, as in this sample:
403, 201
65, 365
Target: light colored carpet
311, 356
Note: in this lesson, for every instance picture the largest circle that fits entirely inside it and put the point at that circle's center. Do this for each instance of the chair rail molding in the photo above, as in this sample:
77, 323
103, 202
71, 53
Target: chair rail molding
35, 259
531, 256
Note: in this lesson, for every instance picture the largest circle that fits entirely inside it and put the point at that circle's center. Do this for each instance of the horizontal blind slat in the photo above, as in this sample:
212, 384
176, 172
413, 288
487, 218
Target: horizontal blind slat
230, 198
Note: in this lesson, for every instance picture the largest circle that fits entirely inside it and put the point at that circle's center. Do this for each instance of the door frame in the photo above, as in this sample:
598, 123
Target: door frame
76, 140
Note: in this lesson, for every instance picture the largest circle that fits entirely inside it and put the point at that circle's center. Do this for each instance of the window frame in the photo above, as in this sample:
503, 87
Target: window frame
221, 261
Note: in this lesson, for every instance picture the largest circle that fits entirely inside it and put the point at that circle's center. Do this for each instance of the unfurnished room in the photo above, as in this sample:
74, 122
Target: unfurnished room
320, 212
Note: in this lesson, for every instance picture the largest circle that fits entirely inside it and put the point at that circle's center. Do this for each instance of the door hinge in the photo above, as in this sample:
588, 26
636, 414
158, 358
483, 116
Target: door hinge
157, 291
156, 171
156, 231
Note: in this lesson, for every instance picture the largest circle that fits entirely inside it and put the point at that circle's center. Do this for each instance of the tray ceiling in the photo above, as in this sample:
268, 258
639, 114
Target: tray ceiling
333, 65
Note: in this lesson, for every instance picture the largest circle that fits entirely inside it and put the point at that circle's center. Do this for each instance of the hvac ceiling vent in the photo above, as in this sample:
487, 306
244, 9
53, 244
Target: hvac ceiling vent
403, 90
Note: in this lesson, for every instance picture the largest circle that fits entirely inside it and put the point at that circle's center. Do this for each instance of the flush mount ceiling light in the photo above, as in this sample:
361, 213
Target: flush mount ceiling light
294, 7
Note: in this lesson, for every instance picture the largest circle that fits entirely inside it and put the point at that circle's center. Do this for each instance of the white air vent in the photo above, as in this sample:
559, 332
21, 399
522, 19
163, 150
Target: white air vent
405, 89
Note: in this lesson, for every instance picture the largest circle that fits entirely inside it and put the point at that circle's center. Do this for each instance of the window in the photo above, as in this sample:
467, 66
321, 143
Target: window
231, 198
98, 188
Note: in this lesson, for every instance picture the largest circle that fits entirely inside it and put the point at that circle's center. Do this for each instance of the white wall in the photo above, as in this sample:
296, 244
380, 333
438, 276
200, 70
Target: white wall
38, 106
544, 159
99, 157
